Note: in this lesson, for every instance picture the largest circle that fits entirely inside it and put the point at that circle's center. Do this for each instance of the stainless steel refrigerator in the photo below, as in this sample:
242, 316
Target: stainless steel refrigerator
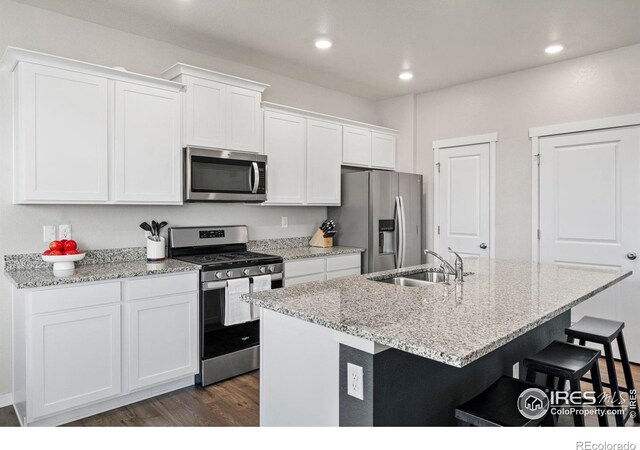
381, 211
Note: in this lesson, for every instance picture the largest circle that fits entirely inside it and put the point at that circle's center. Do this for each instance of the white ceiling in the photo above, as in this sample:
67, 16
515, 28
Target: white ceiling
444, 42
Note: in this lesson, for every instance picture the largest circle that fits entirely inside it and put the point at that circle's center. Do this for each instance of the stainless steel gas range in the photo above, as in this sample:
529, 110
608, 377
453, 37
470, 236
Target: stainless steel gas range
229, 335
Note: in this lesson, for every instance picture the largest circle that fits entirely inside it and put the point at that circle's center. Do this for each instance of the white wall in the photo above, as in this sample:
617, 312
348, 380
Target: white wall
117, 226
400, 113
594, 86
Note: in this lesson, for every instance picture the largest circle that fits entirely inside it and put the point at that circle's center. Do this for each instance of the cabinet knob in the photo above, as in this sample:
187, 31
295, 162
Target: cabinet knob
483, 246
631, 255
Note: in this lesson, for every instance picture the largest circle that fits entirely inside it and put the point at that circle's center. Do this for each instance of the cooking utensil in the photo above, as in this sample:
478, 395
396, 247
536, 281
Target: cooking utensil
146, 227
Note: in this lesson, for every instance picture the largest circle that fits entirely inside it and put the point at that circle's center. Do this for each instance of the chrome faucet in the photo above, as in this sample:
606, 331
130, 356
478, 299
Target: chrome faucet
445, 266
459, 266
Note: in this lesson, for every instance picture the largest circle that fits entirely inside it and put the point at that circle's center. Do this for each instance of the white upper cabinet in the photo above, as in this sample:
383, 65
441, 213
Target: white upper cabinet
306, 150
284, 145
74, 119
61, 141
369, 148
357, 147
383, 150
204, 113
244, 124
324, 150
147, 144
221, 111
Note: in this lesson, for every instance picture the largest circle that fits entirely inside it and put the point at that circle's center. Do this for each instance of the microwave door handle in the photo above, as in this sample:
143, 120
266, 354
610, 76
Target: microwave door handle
256, 178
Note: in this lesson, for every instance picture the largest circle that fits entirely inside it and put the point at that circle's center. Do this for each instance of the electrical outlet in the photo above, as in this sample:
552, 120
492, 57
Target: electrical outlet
64, 231
355, 381
48, 233
285, 221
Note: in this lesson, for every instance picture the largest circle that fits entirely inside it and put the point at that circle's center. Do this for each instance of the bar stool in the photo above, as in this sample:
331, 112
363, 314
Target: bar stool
497, 406
604, 332
568, 362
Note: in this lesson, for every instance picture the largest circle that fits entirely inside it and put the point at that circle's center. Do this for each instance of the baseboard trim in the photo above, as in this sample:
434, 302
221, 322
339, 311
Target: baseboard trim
6, 399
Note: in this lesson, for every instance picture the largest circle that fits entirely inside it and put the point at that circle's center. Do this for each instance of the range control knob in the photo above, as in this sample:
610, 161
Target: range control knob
263, 269
229, 274
245, 271
272, 268
218, 275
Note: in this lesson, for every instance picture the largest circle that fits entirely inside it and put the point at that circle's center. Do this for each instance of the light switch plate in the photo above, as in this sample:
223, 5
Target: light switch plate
355, 383
48, 233
285, 221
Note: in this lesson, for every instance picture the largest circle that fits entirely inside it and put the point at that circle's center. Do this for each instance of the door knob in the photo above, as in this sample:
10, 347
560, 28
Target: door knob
483, 246
631, 255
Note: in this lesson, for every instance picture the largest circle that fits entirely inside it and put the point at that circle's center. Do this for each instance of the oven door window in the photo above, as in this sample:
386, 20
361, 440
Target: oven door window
220, 175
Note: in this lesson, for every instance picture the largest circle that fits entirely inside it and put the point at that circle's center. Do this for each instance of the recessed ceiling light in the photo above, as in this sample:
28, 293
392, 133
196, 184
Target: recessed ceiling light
406, 75
553, 49
323, 44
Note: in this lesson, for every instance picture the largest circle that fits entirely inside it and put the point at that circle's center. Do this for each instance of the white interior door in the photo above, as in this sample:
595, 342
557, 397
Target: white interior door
463, 200
589, 216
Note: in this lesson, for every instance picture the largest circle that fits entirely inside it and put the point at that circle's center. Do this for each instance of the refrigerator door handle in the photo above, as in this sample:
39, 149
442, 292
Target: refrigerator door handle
403, 230
396, 219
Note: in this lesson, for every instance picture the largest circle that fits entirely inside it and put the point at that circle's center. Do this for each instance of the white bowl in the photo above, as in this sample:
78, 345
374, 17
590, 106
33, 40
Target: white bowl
63, 265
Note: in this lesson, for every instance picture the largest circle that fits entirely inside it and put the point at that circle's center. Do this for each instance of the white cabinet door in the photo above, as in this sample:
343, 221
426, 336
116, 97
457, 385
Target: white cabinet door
62, 136
161, 339
357, 146
75, 358
383, 150
324, 152
284, 145
147, 144
205, 112
244, 120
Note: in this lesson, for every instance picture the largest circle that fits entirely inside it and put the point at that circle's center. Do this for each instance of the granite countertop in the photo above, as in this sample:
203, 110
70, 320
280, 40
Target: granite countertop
289, 254
43, 277
455, 324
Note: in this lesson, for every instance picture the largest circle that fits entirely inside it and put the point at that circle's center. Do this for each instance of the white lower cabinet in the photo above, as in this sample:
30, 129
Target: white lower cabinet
161, 339
82, 349
321, 268
75, 358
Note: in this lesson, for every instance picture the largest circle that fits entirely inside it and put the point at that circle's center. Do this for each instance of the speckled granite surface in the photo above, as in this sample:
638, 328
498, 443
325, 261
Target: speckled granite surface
34, 260
452, 324
280, 243
289, 254
43, 277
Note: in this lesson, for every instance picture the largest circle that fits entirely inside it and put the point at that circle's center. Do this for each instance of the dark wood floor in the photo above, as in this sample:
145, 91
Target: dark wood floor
231, 403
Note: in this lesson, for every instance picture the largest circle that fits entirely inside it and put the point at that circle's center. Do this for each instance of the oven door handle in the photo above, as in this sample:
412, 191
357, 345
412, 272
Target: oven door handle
213, 285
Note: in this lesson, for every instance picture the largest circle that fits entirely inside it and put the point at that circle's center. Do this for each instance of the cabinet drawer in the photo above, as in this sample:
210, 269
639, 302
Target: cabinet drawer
161, 285
343, 273
304, 267
80, 296
288, 282
343, 262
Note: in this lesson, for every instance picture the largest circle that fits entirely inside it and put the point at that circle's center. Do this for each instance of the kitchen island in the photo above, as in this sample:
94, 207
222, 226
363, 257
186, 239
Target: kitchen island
423, 350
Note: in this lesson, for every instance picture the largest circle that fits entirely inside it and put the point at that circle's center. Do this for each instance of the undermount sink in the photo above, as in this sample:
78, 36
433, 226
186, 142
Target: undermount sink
417, 279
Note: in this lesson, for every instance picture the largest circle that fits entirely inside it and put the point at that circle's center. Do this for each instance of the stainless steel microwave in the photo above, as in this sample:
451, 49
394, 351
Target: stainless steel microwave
223, 176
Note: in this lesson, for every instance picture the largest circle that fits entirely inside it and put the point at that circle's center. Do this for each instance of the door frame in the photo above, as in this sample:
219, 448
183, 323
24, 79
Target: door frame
492, 140
554, 130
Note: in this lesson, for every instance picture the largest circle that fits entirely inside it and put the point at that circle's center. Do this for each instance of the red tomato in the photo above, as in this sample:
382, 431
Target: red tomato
71, 252
46, 252
56, 253
70, 245
56, 245
63, 241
